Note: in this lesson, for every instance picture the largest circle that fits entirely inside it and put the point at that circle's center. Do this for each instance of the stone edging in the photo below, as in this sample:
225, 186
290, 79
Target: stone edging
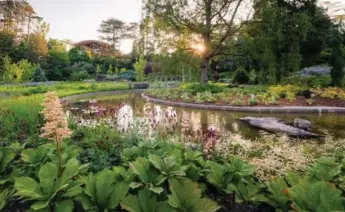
256, 109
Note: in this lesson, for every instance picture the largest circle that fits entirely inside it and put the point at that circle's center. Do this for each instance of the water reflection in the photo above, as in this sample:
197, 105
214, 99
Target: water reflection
124, 111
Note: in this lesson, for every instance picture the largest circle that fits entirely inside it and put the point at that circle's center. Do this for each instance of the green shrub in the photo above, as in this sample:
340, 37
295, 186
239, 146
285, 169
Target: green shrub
51, 190
79, 76
102, 192
241, 76
28, 70
35, 90
39, 75
195, 88
11, 71
252, 100
139, 69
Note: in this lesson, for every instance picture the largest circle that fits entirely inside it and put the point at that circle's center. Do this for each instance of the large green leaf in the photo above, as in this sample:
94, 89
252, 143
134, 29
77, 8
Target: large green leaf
5, 195
6, 156
71, 170
292, 178
131, 203
73, 190
325, 169
156, 161
37, 156
141, 167
119, 192
316, 196
239, 168
104, 186
194, 156
28, 188
278, 196
48, 176
65, 206
186, 196
146, 201
39, 205
85, 201
121, 174
168, 166
216, 176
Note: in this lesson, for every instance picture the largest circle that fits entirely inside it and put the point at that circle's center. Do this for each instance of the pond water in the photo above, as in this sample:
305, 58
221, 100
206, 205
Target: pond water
199, 119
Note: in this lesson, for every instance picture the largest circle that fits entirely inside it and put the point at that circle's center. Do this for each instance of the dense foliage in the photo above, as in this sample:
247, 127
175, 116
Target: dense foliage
153, 175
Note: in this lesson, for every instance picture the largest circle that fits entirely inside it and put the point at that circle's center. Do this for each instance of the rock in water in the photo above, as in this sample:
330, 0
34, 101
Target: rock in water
275, 125
302, 124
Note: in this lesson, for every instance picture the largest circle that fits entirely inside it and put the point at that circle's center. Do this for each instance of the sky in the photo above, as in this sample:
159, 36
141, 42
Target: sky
78, 20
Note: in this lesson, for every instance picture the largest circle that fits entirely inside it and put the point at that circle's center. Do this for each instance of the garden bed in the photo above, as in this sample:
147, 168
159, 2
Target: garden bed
275, 98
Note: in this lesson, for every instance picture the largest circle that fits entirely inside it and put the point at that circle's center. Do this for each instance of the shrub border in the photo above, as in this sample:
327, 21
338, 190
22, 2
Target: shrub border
253, 109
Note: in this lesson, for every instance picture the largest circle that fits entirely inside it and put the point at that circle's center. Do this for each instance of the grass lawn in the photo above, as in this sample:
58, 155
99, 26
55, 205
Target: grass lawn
19, 109
62, 88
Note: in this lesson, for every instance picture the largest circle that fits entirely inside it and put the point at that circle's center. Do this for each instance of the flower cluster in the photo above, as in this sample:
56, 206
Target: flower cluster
56, 127
210, 142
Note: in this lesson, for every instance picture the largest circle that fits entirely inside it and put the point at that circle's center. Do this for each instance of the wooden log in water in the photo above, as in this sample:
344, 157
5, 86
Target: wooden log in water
275, 125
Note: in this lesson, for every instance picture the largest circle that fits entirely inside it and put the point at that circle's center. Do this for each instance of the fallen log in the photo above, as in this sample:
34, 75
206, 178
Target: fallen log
275, 125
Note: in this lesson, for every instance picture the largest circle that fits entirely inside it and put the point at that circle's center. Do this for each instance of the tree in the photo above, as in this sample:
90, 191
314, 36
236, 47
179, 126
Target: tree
139, 66
77, 55
6, 43
337, 59
277, 31
38, 47
11, 72
42, 28
56, 45
38, 75
212, 21
55, 65
110, 70
115, 30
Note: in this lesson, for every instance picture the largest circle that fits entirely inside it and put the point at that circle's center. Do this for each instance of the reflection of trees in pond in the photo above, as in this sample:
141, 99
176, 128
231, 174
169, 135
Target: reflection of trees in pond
216, 121
195, 120
192, 120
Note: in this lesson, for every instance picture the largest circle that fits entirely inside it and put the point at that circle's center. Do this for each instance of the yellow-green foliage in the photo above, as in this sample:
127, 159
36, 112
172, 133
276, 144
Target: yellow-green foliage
330, 92
286, 91
110, 70
139, 69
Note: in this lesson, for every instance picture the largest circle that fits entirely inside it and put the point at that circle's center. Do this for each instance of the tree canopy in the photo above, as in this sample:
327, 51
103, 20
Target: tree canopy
212, 22
115, 30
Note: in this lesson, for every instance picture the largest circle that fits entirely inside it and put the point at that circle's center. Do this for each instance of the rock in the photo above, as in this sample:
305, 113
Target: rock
302, 124
275, 125
140, 85
315, 71
101, 77
306, 94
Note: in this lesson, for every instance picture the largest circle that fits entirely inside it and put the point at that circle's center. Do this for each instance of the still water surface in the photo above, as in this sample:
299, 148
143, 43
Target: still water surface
222, 121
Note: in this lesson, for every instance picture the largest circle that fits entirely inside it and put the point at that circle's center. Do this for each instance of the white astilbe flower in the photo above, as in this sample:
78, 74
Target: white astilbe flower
124, 118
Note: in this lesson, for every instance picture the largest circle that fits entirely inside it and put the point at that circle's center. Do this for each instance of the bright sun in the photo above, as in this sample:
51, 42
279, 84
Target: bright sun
200, 47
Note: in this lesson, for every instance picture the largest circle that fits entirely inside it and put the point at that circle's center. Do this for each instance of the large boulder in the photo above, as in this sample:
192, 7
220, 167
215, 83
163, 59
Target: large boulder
302, 124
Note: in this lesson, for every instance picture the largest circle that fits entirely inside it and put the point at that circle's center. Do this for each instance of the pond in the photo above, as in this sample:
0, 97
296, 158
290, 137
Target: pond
200, 120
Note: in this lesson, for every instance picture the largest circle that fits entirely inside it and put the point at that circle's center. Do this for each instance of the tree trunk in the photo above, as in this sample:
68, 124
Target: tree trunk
204, 65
